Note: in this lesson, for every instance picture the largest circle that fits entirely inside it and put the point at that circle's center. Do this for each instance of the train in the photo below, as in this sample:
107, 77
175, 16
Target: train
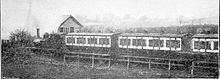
141, 43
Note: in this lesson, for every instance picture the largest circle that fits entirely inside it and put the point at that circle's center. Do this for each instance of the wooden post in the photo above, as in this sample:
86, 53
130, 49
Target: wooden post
192, 68
51, 58
169, 68
93, 61
78, 60
149, 64
109, 63
128, 63
64, 60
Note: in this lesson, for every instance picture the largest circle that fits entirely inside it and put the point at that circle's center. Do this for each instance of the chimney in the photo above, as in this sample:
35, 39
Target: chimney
38, 32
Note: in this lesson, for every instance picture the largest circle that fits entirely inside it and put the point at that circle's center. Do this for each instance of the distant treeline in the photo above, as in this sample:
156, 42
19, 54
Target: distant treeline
193, 29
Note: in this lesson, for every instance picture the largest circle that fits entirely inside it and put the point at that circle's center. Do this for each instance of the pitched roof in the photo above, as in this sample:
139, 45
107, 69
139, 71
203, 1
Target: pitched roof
206, 36
153, 35
74, 19
91, 34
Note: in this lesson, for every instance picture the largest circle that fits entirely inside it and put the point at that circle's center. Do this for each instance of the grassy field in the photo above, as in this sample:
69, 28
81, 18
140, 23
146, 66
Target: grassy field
40, 70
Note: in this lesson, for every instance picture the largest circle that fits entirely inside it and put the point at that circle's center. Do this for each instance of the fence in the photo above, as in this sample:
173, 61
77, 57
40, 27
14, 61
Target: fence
137, 59
194, 65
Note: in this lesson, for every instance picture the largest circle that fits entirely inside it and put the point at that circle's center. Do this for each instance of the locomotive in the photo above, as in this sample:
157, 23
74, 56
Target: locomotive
140, 43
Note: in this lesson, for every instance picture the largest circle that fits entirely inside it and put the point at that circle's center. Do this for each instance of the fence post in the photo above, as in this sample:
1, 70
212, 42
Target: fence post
149, 64
170, 68
64, 59
92, 61
109, 62
78, 60
128, 63
51, 58
192, 68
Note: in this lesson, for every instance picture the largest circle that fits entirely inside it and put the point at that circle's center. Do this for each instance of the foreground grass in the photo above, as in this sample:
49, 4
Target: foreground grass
47, 71
36, 70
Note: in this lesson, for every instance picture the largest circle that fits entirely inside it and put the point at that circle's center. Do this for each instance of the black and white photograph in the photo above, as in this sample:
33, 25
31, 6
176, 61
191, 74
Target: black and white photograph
109, 39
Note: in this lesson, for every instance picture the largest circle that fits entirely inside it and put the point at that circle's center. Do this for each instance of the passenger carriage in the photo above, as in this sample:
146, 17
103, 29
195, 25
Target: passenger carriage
205, 43
91, 42
153, 43
172, 42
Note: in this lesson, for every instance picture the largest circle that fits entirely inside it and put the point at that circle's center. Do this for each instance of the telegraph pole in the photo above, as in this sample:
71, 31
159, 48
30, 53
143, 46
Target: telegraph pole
28, 18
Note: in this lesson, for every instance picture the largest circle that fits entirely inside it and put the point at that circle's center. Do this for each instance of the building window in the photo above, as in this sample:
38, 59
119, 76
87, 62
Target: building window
61, 29
67, 30
104, 41
71, 29
92, 40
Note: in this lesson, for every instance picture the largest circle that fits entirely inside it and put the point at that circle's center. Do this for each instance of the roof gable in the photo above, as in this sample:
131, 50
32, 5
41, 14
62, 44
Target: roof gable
73, 19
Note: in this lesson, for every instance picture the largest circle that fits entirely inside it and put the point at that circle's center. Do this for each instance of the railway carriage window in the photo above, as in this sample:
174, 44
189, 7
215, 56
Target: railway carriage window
143, 42
72, 40
156, 43
69, 40
92, 40
104, 41
134, 42
173, 43
208, 45
81, 40
161, 43
125, 42
215, 45
199, 45
202, 44
139, 42
196, 45
151, 43
176, 44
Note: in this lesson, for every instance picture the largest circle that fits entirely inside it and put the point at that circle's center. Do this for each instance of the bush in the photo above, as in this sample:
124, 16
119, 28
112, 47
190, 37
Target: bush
56, 42
13, 51
21, 38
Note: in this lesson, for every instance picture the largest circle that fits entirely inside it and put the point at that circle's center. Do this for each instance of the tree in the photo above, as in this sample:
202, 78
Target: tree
21, 38
18, 38
46, 35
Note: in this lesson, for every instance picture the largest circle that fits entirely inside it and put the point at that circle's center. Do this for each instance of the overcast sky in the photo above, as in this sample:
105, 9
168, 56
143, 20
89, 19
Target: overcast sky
47, 14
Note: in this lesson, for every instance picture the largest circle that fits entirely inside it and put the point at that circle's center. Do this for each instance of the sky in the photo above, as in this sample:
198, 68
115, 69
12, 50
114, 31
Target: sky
48, 14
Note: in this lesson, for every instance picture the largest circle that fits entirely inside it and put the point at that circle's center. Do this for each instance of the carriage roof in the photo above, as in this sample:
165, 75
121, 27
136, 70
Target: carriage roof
91, 34
206, 36
152, 35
